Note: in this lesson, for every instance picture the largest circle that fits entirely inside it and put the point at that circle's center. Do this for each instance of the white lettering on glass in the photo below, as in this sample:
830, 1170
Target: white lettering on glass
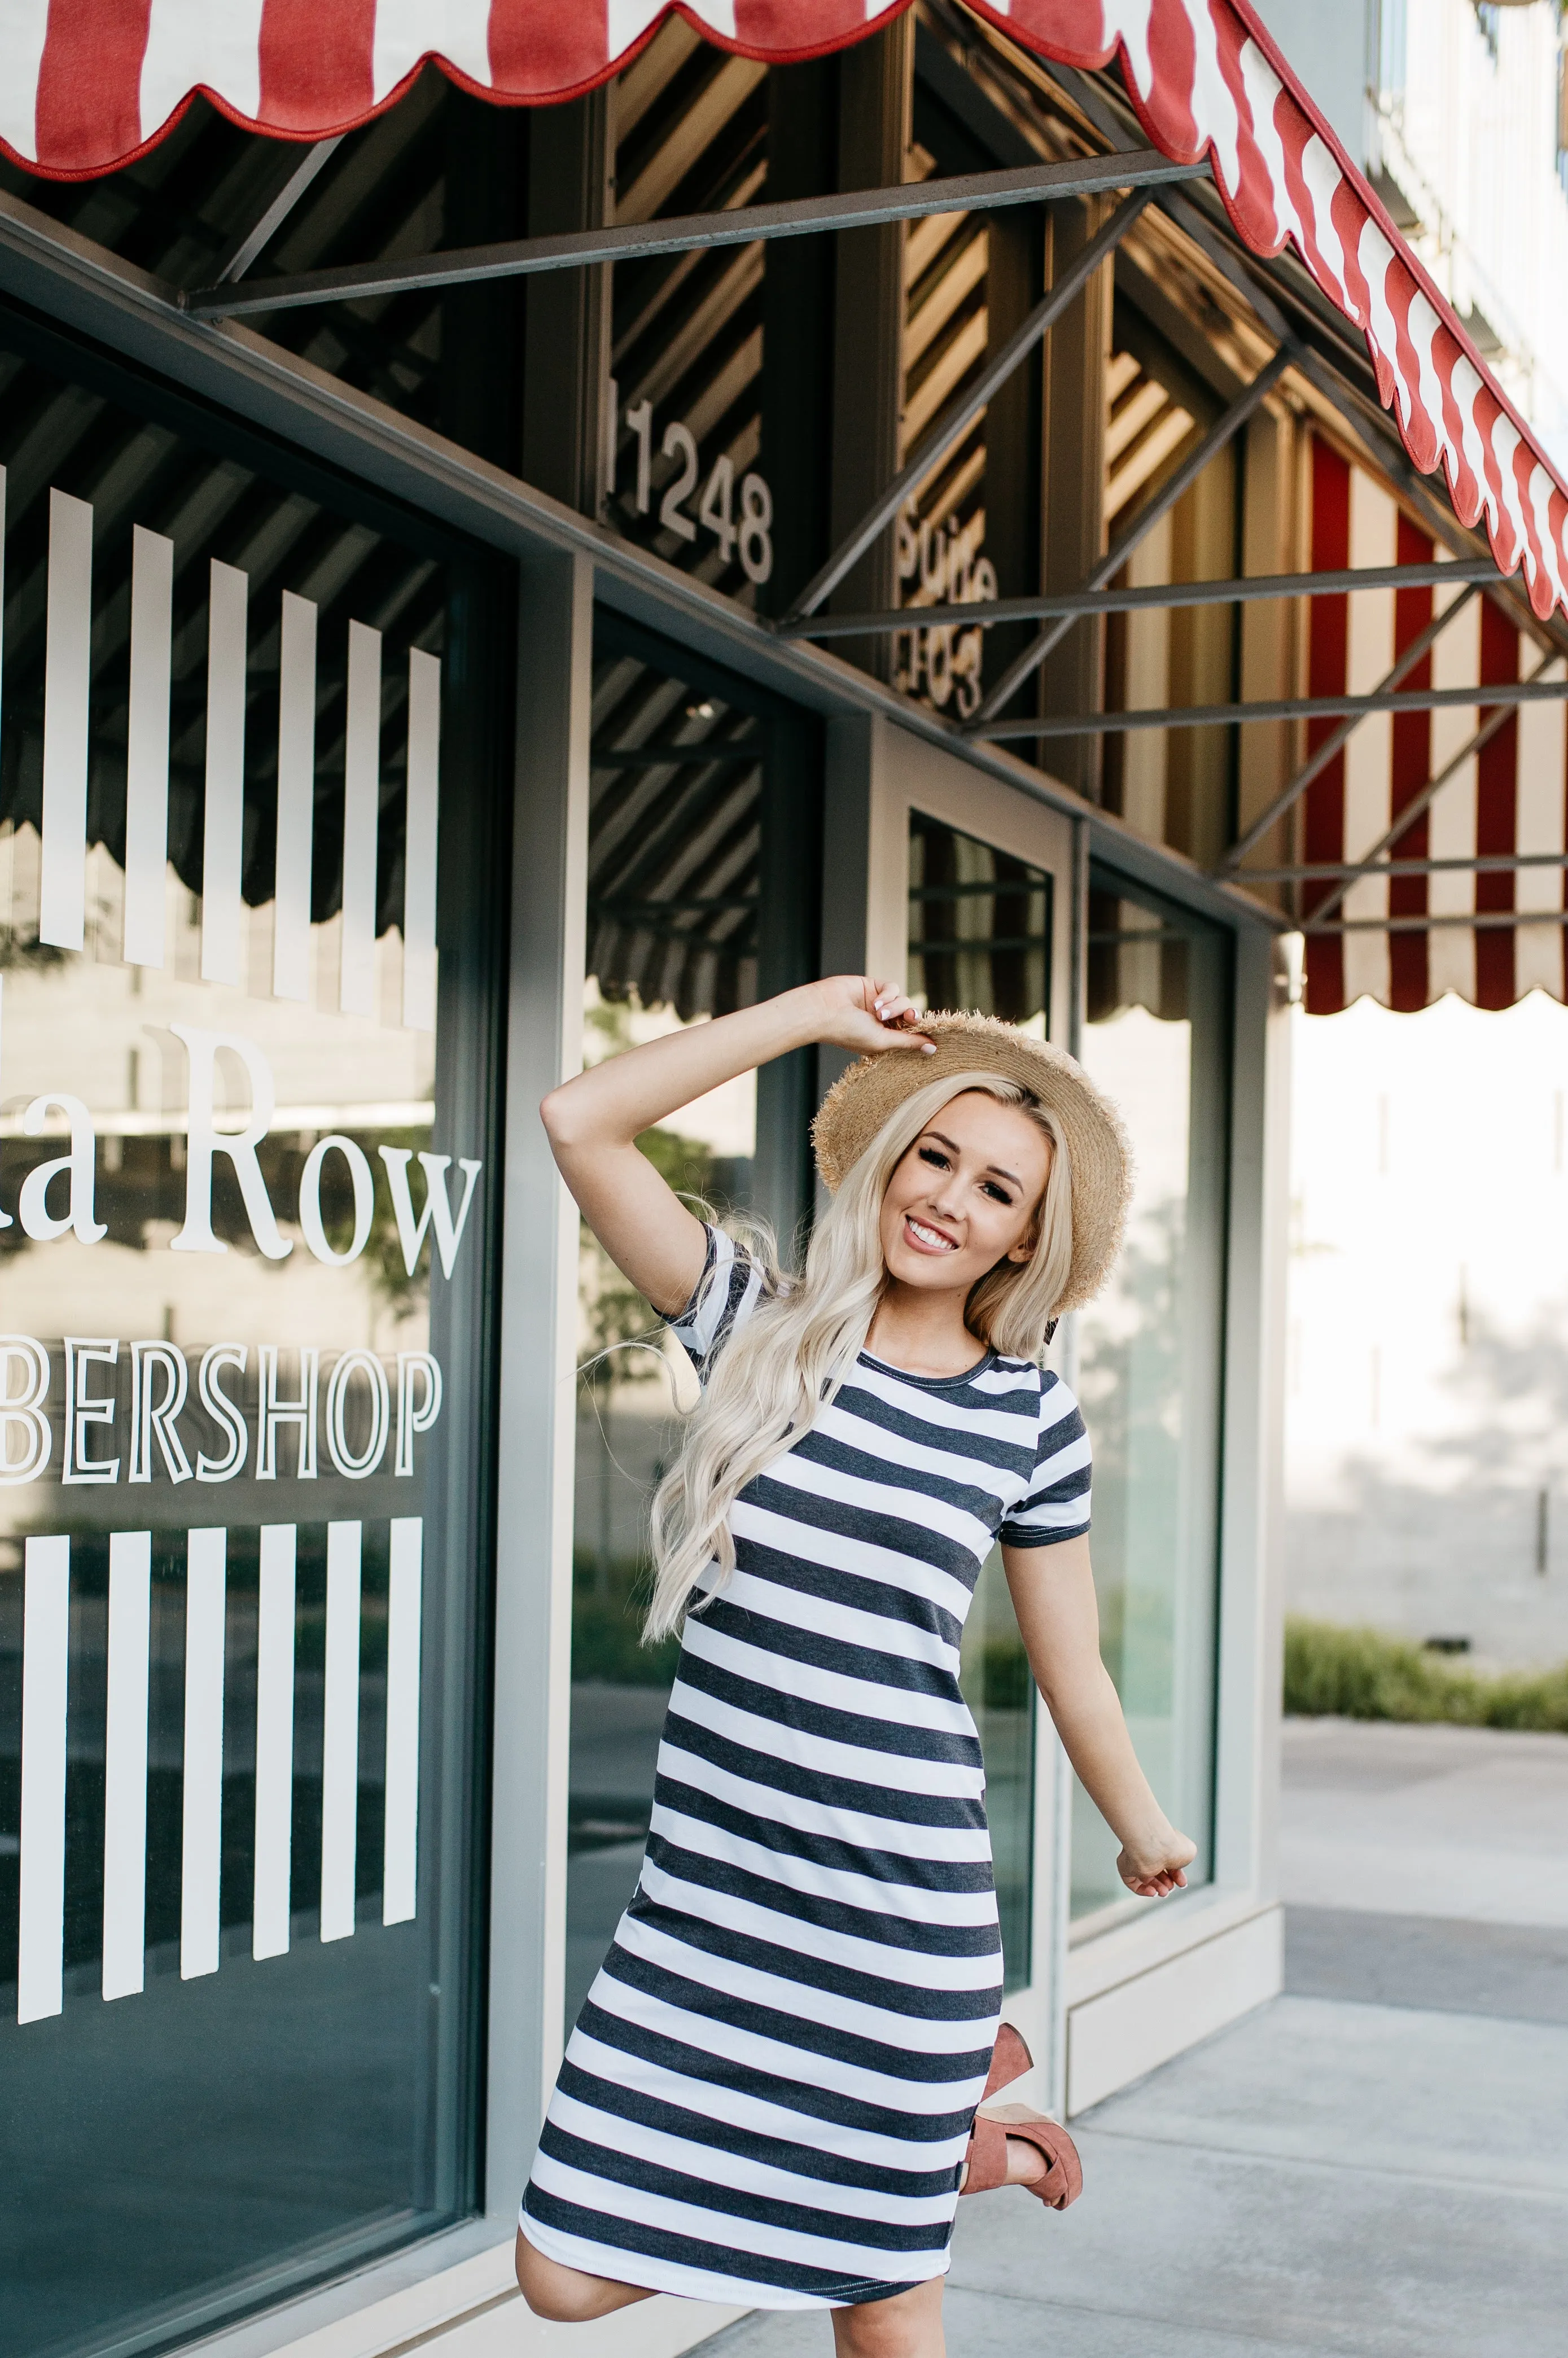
153, 1419
202, 1833
222, 840
204, 1140
272, 1412
146, 747
311, 1223
419, 839
295, 798
438, 1208
362, 808
125, 1764
67, 678
223, 1411
38, 1221
274, 1740
83, 1407
340, 1732
400, 1880
366, 1364
46, 1659
25, 1407
411, 1417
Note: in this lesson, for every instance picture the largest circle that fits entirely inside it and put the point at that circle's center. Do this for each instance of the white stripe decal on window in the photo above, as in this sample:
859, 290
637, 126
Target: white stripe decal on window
362, 804
68, 671
46, 1655
203, 1833
340, 1732
223, 843
125, 1764
400, 1864
146, 746
275, 1741
419, 841
296, 799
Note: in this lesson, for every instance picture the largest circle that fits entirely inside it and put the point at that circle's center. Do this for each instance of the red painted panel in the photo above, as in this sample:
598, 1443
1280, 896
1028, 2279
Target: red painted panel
1497, 800
1327, 649
1411, 768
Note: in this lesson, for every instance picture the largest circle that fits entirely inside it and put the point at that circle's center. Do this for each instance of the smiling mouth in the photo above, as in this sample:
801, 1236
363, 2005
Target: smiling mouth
926, 1240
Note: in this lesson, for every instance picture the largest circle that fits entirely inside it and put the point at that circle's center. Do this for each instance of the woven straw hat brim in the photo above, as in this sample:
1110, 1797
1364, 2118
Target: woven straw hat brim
1099, 1154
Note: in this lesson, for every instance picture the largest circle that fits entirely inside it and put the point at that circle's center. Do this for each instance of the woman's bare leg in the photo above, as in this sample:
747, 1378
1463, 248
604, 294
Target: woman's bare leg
909, 2325
569, 2296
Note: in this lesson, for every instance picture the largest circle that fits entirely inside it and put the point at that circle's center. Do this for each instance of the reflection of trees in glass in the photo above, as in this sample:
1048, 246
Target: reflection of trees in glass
619, 1342
1130, 1383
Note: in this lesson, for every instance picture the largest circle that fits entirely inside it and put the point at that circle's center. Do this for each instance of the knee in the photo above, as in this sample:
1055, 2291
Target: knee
562, 2296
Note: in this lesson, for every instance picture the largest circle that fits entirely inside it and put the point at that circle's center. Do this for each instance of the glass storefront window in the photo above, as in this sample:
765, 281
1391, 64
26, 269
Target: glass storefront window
694, 801
980, 937
249, 958
1148, 1356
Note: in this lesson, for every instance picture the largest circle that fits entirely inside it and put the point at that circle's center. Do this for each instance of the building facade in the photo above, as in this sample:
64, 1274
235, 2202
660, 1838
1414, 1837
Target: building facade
403, 699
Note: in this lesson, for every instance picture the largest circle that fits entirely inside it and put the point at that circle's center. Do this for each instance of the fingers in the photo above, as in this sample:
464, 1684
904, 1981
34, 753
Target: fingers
897, 1013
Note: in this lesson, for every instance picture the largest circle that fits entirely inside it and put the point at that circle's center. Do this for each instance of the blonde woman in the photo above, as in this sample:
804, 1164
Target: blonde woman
771, 2094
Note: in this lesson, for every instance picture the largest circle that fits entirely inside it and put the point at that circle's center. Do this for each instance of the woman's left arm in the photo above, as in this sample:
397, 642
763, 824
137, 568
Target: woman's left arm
1054, 1597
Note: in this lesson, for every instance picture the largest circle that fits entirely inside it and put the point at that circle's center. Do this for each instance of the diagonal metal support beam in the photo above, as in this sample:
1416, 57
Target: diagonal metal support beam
1480, 921
247, 247
958, 420
1413, 810
1029, 662
1315, 764
1509, 692
1485, 864
1085, 175
1157, 597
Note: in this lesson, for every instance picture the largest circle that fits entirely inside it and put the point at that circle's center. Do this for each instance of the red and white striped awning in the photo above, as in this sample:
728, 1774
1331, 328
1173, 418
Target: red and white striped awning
1490, 935
85, 85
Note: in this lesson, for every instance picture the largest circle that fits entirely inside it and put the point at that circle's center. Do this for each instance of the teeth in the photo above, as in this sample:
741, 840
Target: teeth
932, 1236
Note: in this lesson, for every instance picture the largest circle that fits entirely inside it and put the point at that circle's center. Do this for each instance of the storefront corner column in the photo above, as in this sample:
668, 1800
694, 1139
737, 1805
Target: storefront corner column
537, 1351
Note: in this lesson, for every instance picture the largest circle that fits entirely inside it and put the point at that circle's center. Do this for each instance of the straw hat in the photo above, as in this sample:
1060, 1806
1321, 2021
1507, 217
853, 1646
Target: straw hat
1098, 1155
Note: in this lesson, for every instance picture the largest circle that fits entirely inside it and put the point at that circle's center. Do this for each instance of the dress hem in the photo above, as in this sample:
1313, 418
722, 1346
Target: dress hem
651, 2275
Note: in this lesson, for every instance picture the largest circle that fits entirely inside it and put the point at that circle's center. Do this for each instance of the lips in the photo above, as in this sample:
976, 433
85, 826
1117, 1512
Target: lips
924, 1237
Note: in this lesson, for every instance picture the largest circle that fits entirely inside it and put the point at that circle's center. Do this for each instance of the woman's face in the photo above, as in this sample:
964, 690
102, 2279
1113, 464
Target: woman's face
965, 1195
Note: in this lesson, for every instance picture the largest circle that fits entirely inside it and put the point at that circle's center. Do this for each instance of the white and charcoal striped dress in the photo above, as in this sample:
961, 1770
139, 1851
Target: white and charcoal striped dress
769, 2090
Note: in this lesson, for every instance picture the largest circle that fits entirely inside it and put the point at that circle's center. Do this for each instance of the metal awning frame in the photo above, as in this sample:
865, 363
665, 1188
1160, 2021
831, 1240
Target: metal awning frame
1310, 339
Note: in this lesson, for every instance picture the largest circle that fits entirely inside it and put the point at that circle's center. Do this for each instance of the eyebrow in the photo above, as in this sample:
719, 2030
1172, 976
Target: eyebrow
995, 1168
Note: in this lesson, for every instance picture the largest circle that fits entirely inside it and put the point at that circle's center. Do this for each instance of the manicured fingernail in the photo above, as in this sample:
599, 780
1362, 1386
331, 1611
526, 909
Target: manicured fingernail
928, 1048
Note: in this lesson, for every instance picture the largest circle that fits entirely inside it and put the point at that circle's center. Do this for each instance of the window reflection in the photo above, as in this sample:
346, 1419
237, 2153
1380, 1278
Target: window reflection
1149, 1358
980, 937
979, 927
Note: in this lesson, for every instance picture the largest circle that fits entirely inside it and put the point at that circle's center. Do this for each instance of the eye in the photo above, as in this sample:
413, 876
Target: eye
934, 1155
1000, 1193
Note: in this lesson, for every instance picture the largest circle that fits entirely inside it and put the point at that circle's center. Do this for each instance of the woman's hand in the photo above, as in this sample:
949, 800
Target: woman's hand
1156, 1863
866, 1016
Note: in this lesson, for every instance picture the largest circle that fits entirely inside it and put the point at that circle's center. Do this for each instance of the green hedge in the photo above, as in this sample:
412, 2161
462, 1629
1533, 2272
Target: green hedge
1361, 1675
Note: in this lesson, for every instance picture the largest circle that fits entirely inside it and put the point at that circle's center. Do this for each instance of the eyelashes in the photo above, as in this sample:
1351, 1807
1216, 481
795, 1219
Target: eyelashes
940, 1162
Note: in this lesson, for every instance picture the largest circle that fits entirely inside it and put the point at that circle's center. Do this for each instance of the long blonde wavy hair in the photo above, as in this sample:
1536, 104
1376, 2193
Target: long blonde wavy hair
774, 1378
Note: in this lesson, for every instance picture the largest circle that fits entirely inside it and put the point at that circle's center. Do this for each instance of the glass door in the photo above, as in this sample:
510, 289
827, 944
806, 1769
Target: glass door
988, 928
1156, 1038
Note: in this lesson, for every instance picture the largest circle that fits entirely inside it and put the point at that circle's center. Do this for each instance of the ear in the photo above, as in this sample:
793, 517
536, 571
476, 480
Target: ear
1021, 1253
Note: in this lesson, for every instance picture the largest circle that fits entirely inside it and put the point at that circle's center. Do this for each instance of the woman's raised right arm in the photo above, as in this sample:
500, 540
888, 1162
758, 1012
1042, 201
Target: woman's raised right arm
593, 1122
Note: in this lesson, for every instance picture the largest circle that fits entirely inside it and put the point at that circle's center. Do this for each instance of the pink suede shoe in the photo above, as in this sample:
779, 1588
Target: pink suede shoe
987, 2157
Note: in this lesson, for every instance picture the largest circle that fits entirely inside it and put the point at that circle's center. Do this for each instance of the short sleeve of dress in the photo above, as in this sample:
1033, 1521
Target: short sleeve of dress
1057, 1504
731, 1286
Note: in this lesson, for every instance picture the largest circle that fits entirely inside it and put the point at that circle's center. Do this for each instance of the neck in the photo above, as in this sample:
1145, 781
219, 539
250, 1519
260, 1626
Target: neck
922, 1332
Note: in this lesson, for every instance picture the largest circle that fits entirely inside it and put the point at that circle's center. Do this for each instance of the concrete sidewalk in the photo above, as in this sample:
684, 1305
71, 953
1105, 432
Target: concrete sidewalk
1329, 2176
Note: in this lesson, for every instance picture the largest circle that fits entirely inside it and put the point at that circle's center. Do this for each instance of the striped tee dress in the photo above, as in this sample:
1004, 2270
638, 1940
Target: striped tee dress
768, 2093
